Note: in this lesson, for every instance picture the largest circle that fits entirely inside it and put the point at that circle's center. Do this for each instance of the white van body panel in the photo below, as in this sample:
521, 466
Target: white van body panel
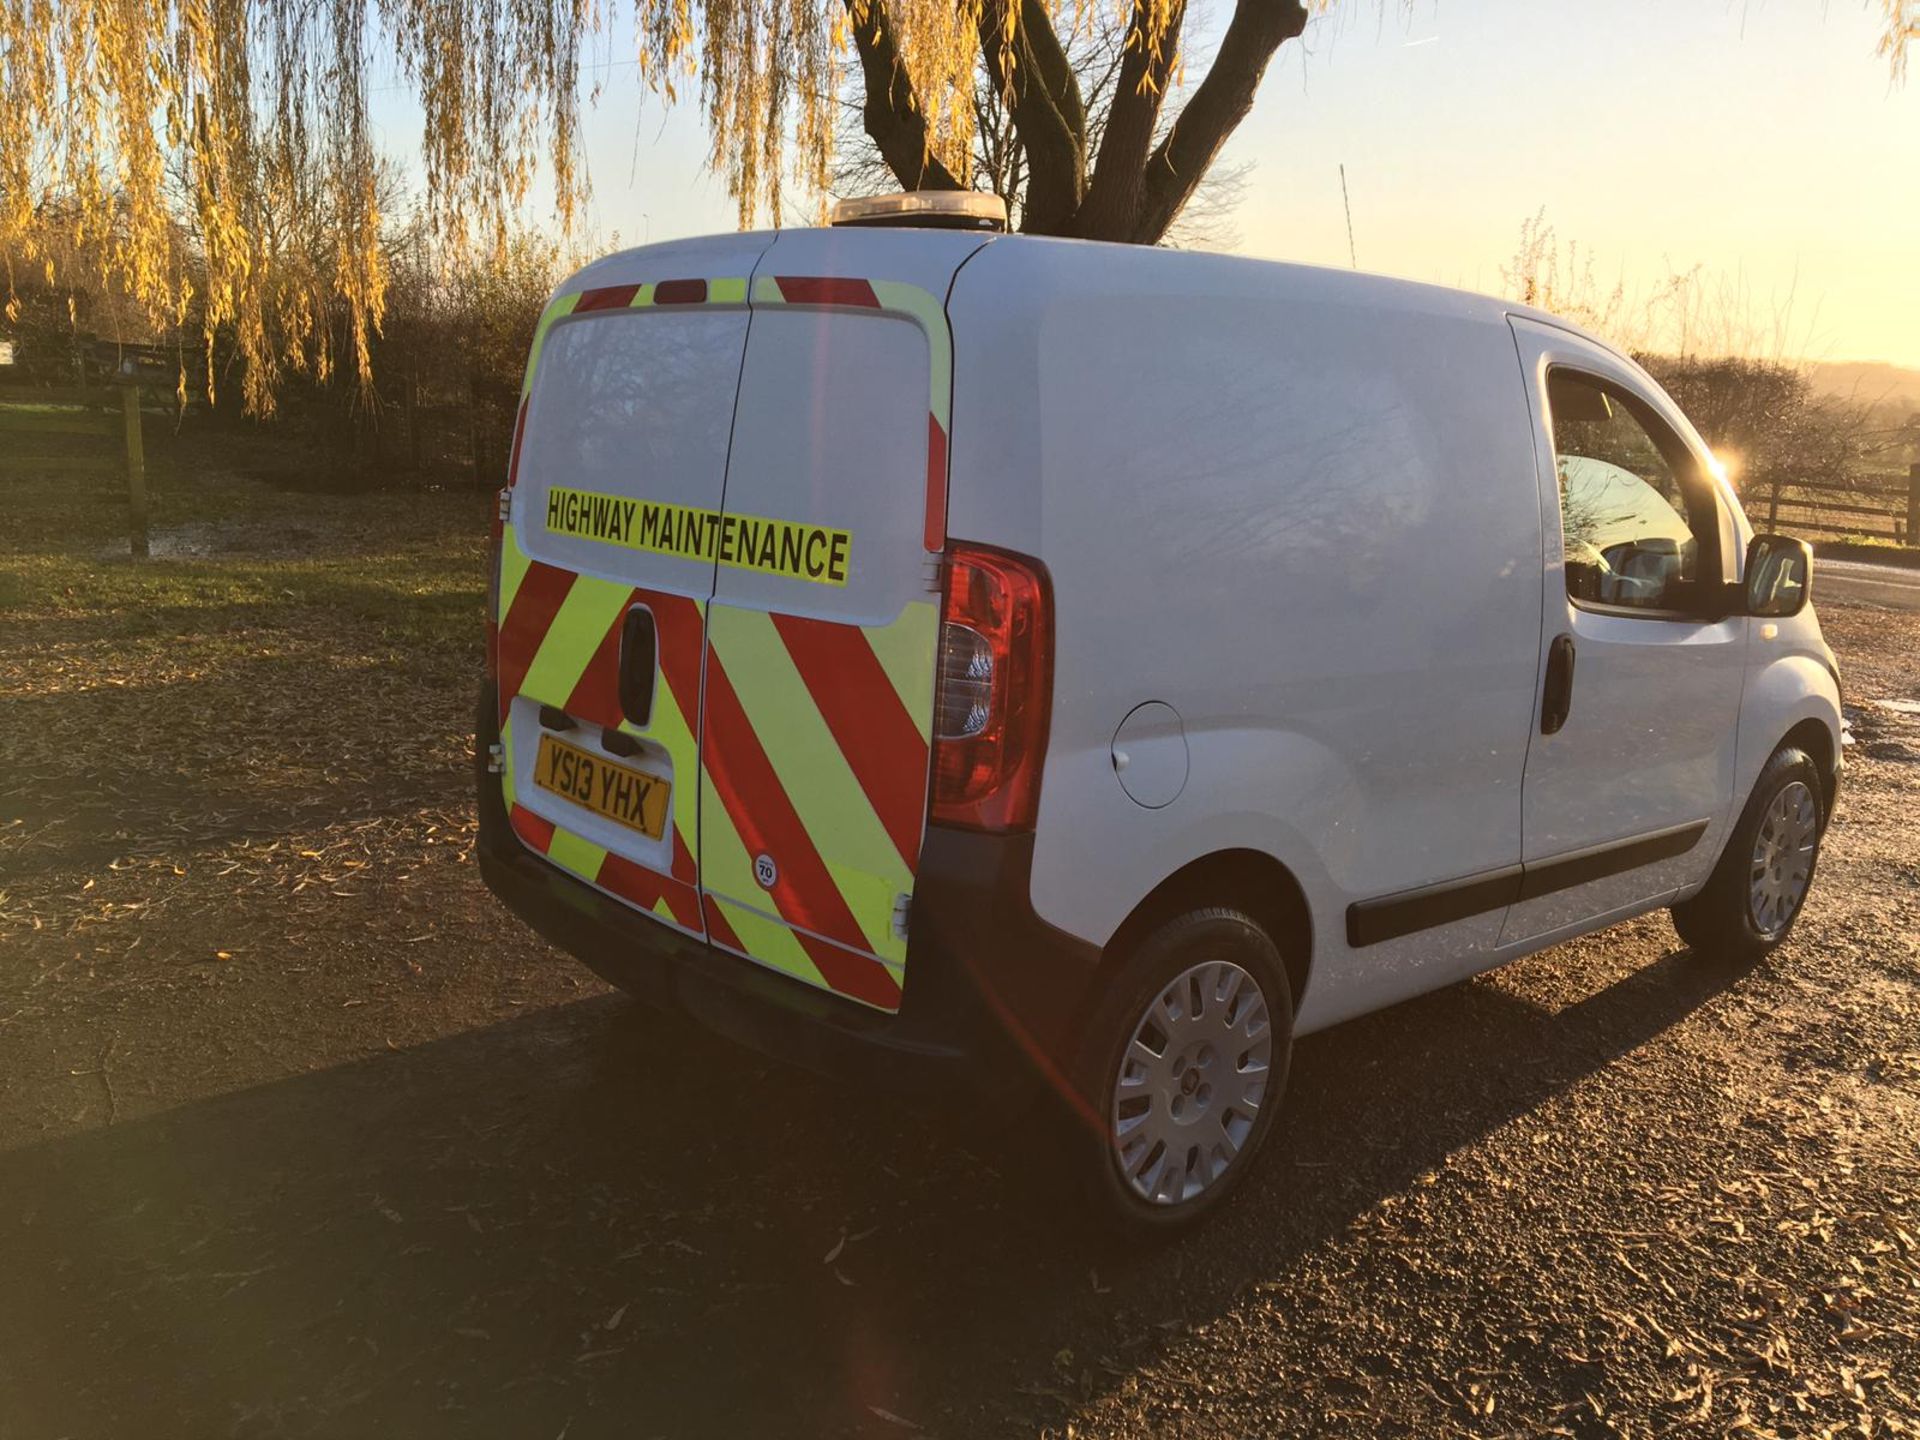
1297, 506
1302, 530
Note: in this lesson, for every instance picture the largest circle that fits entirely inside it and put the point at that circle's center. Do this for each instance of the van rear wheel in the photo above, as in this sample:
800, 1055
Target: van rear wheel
1760, 885
1182, 1069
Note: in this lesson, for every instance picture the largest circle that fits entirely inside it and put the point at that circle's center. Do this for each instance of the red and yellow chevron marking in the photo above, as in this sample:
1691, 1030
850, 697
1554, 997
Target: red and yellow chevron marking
815, 740
814, 752
814, 735
559, 645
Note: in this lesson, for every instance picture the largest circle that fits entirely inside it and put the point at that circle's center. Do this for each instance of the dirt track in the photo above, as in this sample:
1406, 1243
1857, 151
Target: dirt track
301, 1135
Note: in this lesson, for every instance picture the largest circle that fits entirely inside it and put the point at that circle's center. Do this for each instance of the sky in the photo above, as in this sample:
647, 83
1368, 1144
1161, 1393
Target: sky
1760, 145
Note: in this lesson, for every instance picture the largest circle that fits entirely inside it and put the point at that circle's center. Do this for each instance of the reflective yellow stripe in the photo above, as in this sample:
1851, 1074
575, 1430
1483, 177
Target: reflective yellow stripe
725, 866
869, 895
563, 306
576, 632
930, 315
905, 650
833, 809
667, 725
570, 852
513, 568
729, 290
771, 943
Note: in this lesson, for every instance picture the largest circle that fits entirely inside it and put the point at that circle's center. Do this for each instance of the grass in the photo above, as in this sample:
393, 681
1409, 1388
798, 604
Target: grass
283, 651
234, 553
410, 600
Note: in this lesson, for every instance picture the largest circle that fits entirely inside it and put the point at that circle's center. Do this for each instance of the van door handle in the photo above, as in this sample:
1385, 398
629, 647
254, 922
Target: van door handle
639, 650
1558, 699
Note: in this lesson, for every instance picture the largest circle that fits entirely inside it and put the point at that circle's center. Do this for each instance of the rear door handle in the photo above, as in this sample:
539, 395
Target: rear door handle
1557, 702
639, 661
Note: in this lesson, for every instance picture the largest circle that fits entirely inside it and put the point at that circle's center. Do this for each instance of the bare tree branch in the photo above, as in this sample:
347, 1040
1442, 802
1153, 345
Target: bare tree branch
1113, 200
1043, 96
893, 115
1219, 104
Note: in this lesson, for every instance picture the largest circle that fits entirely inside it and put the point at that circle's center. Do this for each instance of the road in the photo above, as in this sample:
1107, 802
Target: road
1850, 580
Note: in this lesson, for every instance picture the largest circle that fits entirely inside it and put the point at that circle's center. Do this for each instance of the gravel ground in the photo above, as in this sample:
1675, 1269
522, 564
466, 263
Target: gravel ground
301, 1134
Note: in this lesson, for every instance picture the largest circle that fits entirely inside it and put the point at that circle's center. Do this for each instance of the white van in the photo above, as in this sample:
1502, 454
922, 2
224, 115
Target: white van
925, 649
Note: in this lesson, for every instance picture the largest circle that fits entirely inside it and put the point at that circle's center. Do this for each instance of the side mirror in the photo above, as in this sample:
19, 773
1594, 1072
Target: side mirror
1779, 575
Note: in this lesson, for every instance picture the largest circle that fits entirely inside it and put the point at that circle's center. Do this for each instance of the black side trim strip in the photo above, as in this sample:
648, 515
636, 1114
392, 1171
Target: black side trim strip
1548, 876
1388, 917
1391, 916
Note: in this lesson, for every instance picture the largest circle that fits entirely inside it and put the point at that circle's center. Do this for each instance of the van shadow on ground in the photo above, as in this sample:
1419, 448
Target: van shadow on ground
595, 1221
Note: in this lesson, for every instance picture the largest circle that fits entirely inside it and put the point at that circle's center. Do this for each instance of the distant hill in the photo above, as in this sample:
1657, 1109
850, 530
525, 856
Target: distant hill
1870, 382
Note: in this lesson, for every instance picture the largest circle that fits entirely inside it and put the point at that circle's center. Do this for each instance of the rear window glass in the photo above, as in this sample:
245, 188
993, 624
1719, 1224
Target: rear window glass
635, 404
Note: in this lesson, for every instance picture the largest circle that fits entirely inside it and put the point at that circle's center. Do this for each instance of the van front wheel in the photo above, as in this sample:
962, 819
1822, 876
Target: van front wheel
1758, 888
1183, 1068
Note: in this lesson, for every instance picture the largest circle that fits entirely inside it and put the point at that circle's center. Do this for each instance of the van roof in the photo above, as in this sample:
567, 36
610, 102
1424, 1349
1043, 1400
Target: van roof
1094, 263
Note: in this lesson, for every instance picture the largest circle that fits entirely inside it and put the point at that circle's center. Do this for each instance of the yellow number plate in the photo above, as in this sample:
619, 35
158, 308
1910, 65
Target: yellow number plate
627, 797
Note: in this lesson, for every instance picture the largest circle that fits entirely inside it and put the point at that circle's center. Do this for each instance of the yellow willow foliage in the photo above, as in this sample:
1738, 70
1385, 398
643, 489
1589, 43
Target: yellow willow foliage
215, 160
1900, 34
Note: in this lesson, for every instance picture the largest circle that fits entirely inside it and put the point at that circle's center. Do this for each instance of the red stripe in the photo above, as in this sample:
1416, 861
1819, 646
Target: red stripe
645, 888
680, 632
826, 290
596, 700
719, 928
870, 724
860, 976
680, 292
596, 695
542, 590
745, 781
537, 832
610, 297
936, 536
519, 434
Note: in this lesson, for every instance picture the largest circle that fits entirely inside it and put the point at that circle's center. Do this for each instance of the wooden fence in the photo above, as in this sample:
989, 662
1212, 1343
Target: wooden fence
1870, 509
88, 432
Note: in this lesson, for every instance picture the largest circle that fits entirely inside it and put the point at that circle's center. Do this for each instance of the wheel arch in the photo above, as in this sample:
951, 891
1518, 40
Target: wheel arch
1814, 736
1242, 879
1793, 699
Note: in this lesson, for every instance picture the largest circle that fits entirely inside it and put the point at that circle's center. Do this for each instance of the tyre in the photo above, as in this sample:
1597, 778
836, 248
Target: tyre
1182, 1069
1759, 887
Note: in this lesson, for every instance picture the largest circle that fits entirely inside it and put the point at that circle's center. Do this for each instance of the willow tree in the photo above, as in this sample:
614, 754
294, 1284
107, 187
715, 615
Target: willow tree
215, 159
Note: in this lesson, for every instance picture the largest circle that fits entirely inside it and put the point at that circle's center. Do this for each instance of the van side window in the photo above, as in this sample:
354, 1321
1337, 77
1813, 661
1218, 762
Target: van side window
1632, 535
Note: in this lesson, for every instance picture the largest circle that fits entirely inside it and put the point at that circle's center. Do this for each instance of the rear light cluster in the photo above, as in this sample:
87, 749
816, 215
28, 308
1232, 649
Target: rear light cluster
995, 689
493, 589
493, 549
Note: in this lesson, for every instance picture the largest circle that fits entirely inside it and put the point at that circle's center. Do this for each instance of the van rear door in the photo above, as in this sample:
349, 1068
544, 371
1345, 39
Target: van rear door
620, 462
822, 634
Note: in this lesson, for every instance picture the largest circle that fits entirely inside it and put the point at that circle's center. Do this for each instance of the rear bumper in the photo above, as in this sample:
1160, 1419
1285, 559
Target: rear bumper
992, 998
